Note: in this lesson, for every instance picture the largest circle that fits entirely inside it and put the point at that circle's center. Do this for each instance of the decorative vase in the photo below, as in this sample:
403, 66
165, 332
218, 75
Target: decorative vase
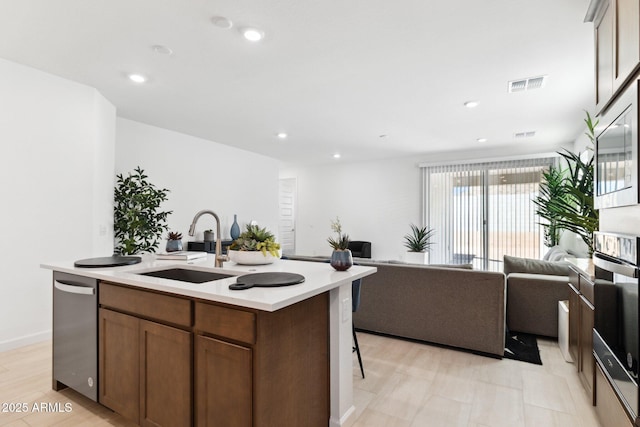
235, 228
174, 245
209, 236
341, 260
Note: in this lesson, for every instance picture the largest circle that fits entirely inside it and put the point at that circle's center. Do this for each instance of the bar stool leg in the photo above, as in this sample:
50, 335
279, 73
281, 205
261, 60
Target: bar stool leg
357, 349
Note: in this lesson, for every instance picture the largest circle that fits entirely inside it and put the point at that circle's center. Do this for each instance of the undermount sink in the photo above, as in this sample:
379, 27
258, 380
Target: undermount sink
185, 275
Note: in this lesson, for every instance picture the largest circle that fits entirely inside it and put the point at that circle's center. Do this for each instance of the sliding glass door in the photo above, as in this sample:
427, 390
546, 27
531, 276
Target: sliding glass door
481, 212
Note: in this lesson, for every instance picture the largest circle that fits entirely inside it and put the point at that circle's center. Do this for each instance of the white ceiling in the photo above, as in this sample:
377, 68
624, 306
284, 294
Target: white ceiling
333, 74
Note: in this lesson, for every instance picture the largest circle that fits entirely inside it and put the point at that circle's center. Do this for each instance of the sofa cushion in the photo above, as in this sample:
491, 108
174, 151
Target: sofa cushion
534, 266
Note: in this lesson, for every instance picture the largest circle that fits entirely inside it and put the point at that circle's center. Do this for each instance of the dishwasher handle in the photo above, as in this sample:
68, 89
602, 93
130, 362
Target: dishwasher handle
74, 289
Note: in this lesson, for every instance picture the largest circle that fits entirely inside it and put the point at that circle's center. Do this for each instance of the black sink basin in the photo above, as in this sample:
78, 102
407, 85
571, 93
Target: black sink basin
184, 275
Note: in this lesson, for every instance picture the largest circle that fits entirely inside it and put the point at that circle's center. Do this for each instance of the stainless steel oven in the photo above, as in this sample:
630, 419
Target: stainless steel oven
615, 334
616, 152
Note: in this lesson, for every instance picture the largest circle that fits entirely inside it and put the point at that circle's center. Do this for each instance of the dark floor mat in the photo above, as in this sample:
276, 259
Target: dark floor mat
523, 347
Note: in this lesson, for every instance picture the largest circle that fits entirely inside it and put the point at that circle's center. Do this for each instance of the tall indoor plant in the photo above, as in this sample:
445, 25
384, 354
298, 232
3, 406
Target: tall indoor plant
138, 222
552, 188
573, 205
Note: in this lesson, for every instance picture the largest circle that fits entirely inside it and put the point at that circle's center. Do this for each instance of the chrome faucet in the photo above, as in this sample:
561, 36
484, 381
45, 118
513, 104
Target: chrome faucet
192, 230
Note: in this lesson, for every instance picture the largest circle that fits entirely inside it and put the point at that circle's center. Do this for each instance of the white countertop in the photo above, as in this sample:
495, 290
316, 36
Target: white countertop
319, 277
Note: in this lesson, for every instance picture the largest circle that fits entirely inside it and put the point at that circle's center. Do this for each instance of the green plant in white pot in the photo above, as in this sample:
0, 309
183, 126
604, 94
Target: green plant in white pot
254, 246
418, 242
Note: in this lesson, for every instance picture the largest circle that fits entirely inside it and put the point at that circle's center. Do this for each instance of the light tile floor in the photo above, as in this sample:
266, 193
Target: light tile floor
407, 384
417, 385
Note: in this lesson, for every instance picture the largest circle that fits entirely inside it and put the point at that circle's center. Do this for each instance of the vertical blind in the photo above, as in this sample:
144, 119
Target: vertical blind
482, 211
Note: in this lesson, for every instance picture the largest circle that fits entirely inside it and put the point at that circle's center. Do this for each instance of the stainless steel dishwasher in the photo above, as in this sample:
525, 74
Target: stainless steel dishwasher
75, 334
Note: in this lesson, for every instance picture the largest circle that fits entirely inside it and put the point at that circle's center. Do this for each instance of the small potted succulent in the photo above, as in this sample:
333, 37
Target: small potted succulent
174, 242
341, 258
418, 242
254, 246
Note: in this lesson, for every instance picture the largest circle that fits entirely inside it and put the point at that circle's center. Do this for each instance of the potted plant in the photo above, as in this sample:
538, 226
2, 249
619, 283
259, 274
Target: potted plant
254, 246
209, 235
174, 242
341, 258
418, 242
138, 223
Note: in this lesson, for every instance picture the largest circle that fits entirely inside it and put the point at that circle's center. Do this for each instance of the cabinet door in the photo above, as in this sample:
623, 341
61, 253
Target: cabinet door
223, 384
119, 361
574, 325
165, 376
586, 345
627, 39
604, 55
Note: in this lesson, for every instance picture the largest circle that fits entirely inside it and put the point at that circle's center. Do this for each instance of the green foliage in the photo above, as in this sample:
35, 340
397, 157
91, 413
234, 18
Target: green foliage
138, 223
578, 212
419, 240
341, 242
566, 196
552, 189
174, 235
255, 238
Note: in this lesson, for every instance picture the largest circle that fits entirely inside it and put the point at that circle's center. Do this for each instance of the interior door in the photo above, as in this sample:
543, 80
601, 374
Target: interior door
287, 222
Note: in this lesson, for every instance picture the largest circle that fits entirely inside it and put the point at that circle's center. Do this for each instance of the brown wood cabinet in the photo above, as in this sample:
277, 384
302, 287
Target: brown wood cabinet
171, 361
581, 321
274, 365
586, 347
617, 47
144, 366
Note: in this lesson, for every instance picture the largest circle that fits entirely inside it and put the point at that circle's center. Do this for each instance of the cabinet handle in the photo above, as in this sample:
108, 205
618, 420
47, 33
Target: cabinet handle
73, 289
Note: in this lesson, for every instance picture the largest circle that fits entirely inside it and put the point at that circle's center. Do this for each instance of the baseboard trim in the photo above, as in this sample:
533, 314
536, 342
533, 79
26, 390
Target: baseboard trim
25, 340
342, 422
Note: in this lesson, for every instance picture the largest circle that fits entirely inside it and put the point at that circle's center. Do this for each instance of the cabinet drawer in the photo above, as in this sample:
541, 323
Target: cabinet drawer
586, 289
163, 308
226, 322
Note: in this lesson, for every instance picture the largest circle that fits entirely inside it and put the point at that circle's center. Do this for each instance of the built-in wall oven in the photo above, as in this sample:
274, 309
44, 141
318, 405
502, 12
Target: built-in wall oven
616, 152
615, 335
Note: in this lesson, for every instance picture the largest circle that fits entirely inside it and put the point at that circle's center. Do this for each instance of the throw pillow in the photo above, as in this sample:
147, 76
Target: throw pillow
535, 266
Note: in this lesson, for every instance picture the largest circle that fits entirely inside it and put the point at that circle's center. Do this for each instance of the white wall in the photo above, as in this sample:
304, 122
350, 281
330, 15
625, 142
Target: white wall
376, 201
57, 146
200, 174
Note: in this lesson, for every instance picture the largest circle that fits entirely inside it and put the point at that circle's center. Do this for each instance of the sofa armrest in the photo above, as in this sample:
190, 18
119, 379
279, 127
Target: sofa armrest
532, 302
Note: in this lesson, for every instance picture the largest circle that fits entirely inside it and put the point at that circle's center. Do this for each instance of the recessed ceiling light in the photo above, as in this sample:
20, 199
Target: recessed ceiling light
137, 78
163, 50
252, 34
471, 104
336, 156
282, 135
482, 139
222, 22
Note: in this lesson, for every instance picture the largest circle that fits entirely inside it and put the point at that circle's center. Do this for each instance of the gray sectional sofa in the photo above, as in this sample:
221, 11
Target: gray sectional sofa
457, 307
452, 306
460, 307
534, 288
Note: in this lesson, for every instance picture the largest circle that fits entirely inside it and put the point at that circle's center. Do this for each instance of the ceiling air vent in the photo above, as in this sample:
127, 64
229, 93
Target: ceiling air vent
527, 84
521, 135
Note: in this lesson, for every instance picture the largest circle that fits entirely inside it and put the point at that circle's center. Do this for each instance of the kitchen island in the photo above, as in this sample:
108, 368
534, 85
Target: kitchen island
200, 353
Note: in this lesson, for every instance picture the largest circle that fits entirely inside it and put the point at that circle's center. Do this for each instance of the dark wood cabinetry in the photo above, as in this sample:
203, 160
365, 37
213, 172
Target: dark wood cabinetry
170, 361
617, 47
144, 366
581, 321
267, 358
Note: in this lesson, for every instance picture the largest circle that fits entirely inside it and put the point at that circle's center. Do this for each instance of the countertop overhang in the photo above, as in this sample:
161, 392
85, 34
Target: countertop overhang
319, 277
